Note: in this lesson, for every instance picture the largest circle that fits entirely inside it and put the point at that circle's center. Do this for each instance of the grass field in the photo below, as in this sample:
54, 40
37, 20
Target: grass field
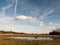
7, 41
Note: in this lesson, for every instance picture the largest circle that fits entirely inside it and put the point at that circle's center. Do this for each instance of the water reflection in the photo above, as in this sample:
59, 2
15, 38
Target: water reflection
31, 38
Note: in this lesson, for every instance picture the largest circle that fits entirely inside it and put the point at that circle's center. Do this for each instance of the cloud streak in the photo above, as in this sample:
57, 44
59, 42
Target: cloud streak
7, 7
54, 7
15, 8
4, 9
47, 12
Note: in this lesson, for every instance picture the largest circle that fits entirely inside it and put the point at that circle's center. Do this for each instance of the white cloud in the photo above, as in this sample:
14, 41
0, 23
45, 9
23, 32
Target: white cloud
46, 27
41, 24
28, 18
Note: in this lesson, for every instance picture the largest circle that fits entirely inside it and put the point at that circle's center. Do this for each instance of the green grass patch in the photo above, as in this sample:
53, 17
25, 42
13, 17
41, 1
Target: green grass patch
8, 41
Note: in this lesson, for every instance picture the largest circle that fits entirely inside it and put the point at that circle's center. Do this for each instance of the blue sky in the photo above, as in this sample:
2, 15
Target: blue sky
29, 16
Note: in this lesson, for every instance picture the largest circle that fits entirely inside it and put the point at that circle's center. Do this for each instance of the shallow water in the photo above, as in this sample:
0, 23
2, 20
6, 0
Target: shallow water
31, 38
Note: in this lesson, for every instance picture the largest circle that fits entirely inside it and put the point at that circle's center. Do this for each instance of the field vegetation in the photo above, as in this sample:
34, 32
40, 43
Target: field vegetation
11, 41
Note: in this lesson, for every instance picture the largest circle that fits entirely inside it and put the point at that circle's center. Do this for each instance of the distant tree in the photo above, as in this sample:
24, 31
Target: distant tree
54, 32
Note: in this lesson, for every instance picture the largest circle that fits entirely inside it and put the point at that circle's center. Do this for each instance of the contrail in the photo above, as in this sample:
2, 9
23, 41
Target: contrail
5, 8
47, 12
55, 6
15, 8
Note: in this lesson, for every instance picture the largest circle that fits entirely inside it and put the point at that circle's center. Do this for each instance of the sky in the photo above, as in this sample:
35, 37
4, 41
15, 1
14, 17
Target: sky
29, 16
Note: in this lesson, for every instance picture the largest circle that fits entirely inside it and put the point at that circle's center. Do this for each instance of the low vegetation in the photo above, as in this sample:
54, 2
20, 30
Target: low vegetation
7, 41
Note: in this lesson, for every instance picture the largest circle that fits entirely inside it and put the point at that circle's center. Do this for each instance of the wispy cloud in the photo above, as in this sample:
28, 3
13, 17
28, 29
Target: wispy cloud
47, 12
7, 7
3, 17
2, 13
52, 9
